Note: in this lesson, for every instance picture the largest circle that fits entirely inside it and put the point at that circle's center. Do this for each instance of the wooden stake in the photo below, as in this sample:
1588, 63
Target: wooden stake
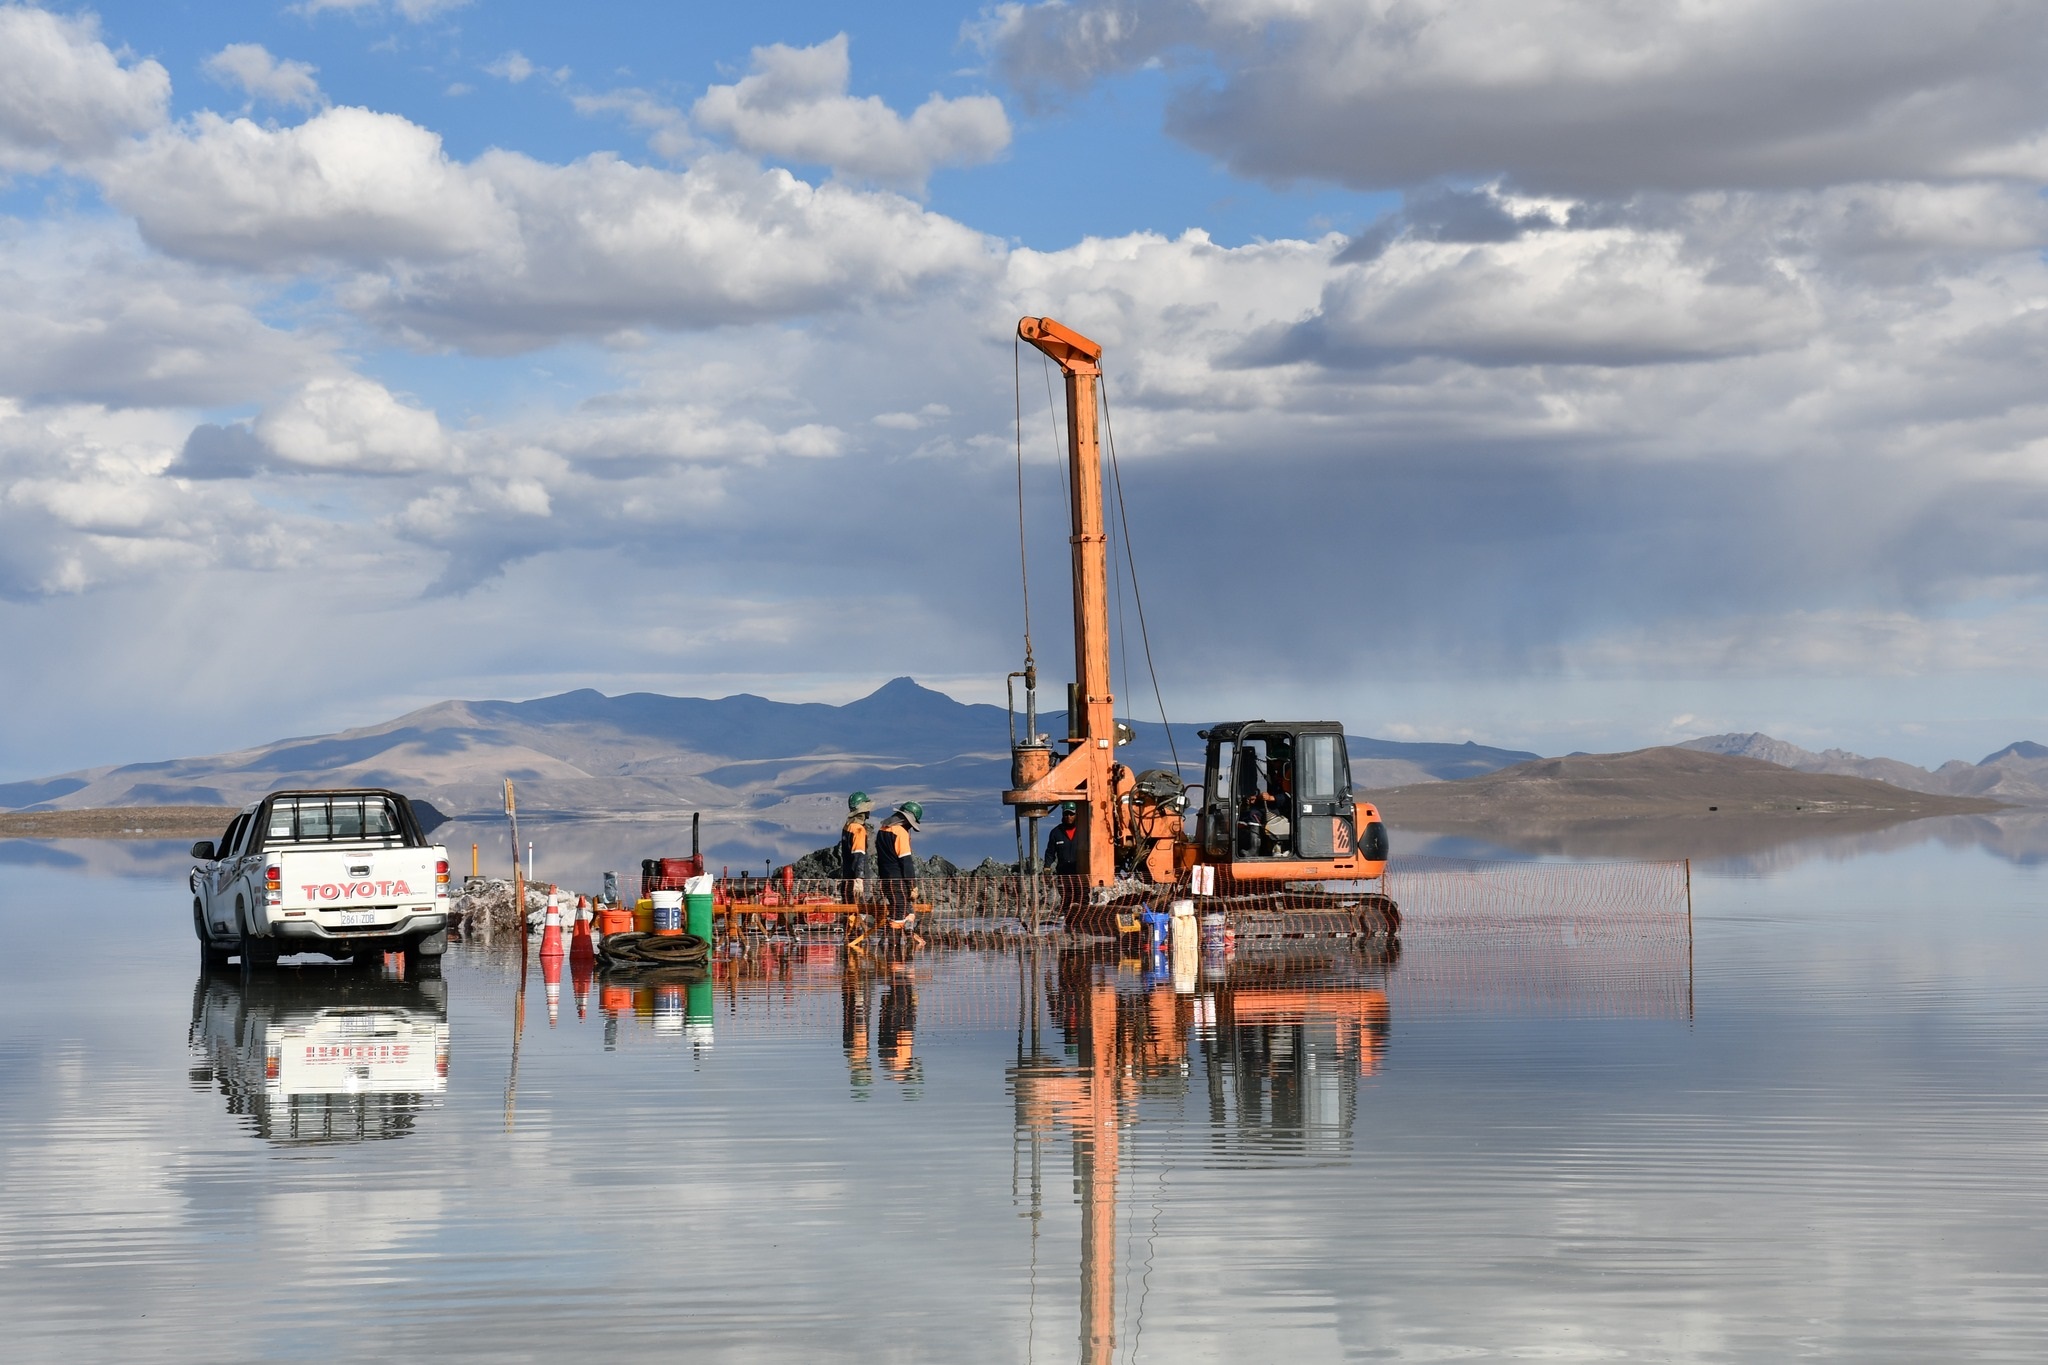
1688, 940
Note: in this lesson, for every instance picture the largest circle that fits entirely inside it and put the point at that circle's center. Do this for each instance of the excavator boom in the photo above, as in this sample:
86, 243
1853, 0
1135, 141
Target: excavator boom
1083, 775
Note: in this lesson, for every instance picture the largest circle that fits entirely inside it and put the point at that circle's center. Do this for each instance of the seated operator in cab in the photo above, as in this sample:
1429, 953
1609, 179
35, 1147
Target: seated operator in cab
1265, 796
1277, 802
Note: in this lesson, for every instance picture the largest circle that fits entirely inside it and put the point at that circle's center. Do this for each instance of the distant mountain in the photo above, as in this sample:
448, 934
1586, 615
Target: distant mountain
2017, 774
742, 760
1377, 763
1649, 785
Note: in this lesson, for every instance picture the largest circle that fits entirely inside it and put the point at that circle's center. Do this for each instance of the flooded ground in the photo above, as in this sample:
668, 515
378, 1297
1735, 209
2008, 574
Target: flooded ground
1819, 1129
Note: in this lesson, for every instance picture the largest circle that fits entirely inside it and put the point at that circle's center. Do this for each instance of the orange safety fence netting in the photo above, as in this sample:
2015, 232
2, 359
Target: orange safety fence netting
1570, 938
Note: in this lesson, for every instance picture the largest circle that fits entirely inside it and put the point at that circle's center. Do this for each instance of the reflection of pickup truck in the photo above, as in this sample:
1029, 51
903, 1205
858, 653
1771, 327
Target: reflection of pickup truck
345, 873
339, 1060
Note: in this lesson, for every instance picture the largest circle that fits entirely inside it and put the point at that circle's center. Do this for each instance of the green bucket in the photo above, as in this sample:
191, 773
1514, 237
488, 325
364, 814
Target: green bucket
697, 908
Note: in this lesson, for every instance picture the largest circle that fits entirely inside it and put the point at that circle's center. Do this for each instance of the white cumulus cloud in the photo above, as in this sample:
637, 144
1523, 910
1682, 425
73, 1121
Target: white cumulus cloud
506, 252
601, 244
667, 127
1583, 96
349, 423
794, 106
88, 313
347, 185
64, 95
250, 68
515, 66
417, 11
1613, 296
83, 504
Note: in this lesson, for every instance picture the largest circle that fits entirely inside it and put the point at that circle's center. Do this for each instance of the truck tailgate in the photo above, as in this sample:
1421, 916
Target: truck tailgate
332, 879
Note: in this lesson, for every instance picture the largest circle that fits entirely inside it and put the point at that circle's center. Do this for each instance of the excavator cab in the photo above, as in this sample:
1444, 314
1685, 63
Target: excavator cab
1278, 794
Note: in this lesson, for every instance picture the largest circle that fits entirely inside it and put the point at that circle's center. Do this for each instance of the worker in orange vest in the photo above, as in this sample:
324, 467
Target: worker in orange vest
898, 868
854, 839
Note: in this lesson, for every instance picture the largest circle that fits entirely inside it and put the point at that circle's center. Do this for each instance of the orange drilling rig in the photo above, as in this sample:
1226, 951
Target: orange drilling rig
1277, 818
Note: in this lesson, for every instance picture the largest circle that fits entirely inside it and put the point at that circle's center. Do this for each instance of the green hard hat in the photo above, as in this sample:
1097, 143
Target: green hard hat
1070, 807
911, 811
858, 802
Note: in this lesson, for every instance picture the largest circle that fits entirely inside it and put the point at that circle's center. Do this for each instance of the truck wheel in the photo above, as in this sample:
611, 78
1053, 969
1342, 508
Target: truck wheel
423, 954
211, 954
255, 953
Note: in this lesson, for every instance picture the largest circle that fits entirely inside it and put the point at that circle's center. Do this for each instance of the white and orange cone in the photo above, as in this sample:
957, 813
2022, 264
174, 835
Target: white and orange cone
551, 931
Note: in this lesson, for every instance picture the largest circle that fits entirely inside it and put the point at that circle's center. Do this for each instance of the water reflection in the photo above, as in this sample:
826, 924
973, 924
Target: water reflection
1525, 1149
673, 1002
884, 992
1252, 1059
321, 1056
1741, 845
1272, 1044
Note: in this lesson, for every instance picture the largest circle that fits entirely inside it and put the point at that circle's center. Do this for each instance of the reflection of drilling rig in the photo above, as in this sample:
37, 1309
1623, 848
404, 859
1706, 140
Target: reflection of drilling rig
1280, 1045
1277, 808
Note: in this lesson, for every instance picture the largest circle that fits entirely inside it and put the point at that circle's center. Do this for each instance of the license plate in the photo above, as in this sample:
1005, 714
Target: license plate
350, 918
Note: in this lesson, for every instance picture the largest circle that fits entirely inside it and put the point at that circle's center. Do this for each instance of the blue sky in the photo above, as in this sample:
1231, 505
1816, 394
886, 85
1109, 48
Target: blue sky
1554, 375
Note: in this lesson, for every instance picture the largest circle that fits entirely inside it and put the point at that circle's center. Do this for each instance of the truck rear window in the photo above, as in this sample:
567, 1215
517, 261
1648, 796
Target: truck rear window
311, 819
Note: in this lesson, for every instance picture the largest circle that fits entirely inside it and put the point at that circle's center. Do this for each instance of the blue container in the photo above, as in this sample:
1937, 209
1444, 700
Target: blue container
1157, 927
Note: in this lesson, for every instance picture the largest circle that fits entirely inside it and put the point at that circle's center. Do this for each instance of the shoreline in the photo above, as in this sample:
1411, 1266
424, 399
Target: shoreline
118, 822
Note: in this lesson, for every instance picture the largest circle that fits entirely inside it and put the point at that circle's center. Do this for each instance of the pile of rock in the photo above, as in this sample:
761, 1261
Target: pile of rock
823, 865
485, 904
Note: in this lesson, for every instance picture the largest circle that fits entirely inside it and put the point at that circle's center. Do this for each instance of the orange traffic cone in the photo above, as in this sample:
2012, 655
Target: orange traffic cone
551, 931
582, 958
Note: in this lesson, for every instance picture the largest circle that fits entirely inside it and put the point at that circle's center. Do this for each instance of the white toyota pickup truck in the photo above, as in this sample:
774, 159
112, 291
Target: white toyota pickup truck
345, 873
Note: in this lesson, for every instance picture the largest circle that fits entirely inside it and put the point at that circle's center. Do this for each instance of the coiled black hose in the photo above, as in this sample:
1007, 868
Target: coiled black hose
654, 950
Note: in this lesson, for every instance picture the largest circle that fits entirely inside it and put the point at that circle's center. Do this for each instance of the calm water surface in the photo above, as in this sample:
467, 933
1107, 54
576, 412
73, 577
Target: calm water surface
1823, 1132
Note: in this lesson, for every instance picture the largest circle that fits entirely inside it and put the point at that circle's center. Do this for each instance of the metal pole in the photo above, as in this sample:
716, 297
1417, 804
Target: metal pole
1688, 941
518, 880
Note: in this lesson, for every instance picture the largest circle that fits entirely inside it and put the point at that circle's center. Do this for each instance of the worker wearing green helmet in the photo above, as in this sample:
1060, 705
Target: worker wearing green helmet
898, 868
854, 839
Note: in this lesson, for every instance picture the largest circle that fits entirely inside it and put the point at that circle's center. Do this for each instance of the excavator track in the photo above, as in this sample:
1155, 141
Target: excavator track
1255, 915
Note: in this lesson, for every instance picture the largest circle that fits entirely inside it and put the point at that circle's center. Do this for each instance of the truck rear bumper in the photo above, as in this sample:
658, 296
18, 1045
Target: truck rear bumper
406, 926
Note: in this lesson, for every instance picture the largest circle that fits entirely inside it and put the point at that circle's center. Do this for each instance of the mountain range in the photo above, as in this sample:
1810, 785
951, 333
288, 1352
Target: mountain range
775, 774
2016, 774
742, 760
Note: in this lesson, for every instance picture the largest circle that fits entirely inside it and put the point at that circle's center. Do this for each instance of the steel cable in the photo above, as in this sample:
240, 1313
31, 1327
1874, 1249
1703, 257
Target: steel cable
1137, 595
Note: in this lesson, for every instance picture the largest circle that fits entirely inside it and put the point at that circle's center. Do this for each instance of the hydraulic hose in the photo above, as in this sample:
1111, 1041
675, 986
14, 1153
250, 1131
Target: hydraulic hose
654, 950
